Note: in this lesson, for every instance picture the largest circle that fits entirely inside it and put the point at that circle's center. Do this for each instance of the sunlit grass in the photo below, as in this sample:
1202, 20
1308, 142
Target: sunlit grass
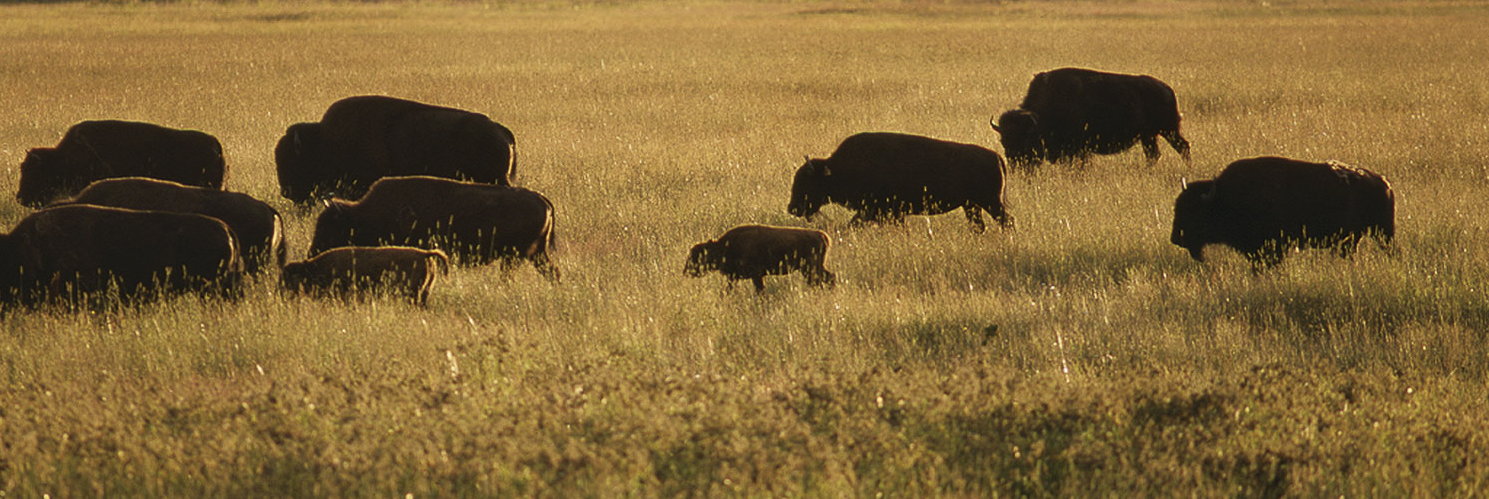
1079, 353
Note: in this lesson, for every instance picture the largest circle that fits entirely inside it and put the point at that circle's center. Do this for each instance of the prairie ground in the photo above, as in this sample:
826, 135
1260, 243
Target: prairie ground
1079, 353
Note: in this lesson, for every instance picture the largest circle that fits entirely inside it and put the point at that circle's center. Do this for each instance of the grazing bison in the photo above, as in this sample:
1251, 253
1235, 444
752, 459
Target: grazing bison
1263, 206
93, 150
1072, 113
475, 223
755, 251
349, 271
885, 176
258, 226
362, 139
69, 251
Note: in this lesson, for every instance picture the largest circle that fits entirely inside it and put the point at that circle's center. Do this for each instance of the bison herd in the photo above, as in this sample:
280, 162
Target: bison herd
137, 211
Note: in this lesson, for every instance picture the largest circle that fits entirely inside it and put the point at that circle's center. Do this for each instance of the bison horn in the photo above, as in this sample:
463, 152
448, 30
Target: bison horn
993, 122
1183, 183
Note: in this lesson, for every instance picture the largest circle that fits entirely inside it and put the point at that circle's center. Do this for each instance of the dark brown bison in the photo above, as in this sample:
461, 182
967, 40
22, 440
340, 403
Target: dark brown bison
350, 271
885, 176
67, 252
258, 226
755, 251
1071, 113
93, 150
475, 223
1263, 206
362, 139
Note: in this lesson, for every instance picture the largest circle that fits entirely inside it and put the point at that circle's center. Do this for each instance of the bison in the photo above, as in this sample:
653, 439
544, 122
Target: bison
349, 271
68, 252
1071, 113
1264, 206
258, 226
755, 251
475, 223
885, 176
93, 150
365, 138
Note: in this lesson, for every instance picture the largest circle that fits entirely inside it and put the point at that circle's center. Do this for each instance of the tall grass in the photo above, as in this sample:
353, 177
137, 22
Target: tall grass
1079, 353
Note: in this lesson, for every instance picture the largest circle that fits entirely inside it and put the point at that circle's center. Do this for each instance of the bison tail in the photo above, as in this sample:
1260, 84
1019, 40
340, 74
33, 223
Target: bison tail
440, 260
276, 242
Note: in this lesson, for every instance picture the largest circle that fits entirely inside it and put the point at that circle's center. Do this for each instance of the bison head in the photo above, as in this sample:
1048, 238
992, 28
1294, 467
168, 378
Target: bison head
299, 160
46, 174
333, 228
1193, 225
809, 189
702, 259
1023, 143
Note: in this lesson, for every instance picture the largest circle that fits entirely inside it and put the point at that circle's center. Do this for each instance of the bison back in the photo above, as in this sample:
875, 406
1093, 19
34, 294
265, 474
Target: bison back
1297, 199
144, 251
379, 136
256, 224
880, 167
1107, 112
478, 222
127, 148
757, 250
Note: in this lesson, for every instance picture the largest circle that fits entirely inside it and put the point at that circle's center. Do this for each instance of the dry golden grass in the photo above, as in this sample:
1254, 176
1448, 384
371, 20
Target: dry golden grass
1079, 354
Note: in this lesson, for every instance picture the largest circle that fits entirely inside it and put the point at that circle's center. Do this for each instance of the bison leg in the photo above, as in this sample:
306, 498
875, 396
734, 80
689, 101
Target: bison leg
820, 277
974, 215
759, 283
1348, 244
1179, 144
1266, 257
1150, 149
545, 267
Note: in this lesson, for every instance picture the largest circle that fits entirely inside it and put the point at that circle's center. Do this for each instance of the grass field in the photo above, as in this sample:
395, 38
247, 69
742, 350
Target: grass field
1077, 354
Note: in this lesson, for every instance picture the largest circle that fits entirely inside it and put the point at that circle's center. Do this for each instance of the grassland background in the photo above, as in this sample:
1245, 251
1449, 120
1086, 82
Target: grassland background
1079, 353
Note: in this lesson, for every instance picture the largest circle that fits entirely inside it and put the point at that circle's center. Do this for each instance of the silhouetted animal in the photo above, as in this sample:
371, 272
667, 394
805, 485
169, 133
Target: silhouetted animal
1071, 113
362, 139
755, 251
258, 226
93, 150
349, 271
1263, 206
885, 176
475, 223
69, 251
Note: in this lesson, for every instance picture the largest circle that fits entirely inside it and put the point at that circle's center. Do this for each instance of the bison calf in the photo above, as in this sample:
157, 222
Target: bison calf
93, 150
354, 270
755, 251
1263, 206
